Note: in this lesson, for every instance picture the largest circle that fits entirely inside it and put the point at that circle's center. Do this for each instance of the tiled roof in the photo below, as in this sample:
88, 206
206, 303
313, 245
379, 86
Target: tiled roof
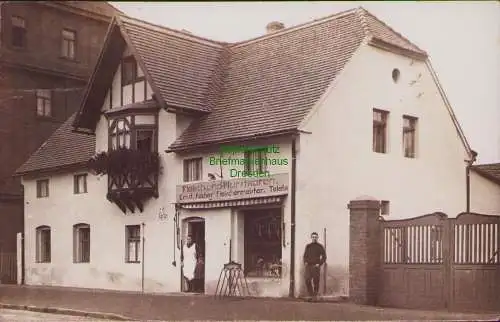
492, 171
63, 148
261, 86
182, 66
272, 82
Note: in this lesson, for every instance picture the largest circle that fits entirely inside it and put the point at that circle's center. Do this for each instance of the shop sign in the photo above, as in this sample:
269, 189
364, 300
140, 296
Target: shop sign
233, 189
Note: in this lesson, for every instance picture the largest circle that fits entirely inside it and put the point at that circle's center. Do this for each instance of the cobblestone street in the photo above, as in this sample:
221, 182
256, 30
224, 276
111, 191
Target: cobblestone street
20, 315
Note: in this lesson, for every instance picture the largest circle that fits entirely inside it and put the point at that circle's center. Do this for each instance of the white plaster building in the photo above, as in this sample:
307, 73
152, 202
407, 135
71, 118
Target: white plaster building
351, 106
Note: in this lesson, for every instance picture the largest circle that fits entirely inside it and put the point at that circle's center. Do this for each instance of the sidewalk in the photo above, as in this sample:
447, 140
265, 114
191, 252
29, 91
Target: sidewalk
139, 306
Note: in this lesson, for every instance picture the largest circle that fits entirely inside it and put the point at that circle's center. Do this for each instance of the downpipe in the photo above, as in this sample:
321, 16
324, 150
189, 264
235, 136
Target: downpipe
467, 179
291, 291
142, 255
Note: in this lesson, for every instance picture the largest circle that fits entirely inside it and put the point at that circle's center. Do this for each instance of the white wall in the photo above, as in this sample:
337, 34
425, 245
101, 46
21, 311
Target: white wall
336, 163
485, 195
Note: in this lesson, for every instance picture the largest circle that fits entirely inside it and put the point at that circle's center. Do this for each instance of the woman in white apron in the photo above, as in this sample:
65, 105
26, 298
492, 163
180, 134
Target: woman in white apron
189, 266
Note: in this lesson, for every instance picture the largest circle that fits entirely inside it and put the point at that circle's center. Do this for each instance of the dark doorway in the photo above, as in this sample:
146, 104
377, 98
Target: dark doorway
196, 229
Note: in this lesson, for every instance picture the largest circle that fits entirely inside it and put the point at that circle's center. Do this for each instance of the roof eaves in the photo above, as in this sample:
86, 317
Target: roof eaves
51, 170
98, 64
189, 147
484, 173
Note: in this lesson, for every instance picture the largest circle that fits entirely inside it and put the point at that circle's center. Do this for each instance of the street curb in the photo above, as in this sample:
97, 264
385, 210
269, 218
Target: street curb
55, 310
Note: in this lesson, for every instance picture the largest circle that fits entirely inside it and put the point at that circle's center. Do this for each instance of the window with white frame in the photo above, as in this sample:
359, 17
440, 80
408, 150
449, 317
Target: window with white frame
42, 188
409, 136
43, 244
133, 243
43, 102
68, 43
80, 183
81, 243
193, 169
380, 131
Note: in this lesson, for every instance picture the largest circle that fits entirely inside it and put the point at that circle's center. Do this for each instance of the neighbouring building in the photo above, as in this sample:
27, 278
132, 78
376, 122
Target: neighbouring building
340, 107
47, 51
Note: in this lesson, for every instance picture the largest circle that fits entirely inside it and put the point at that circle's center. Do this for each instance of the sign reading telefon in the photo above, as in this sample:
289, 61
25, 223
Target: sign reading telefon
233, 189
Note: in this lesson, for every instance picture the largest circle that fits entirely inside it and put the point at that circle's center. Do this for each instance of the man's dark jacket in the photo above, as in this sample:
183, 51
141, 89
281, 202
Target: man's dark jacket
314, 254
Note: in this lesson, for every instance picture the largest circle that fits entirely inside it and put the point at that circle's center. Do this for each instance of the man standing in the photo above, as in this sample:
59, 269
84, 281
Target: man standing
314, 257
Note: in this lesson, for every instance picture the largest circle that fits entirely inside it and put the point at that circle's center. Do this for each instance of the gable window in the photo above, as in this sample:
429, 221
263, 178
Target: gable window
43, 244
43, 102
409, 136
255, 160
42, 188
18, 32
81, 243
80, 183
68, 44
192, 169
129, 71
133, 243
380, 131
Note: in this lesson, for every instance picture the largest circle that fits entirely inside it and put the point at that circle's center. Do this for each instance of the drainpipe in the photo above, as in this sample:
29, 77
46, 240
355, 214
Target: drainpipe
142, 260
291, 292
467, 179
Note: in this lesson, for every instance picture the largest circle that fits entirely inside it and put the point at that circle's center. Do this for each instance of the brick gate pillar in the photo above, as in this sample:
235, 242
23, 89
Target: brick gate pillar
364, 250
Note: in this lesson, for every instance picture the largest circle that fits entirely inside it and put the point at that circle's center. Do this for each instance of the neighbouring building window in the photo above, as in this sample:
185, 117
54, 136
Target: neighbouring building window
81, 246
42, 188
18, 32
68, 45
255, 160
144, 140
133, 243
43, 244
129, 71
380, 130
409, 136
262, 243
44, 102
80, 183
384, 207
192, 169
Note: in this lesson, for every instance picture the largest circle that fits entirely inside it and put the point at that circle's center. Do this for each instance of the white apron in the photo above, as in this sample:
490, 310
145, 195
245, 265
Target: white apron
189, 261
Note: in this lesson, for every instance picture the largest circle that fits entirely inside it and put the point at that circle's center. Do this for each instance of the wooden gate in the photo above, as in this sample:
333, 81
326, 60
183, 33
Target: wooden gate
8, 268
436, 262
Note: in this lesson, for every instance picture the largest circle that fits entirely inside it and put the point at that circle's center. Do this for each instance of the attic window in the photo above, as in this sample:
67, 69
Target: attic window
129, 71
395, 75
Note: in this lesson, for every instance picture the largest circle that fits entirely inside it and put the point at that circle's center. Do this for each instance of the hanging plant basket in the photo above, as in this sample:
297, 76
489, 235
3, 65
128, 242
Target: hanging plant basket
125, 162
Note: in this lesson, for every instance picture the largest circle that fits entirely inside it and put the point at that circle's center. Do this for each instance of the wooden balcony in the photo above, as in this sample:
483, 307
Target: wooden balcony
132, 176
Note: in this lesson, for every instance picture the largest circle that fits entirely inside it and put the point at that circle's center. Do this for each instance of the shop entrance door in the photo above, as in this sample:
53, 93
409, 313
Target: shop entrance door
194, 227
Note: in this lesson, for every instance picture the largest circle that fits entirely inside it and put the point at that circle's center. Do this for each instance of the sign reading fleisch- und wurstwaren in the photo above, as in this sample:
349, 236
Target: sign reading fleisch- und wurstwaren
274, 185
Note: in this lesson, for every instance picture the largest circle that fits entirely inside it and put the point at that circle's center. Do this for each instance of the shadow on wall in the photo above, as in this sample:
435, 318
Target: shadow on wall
337, 281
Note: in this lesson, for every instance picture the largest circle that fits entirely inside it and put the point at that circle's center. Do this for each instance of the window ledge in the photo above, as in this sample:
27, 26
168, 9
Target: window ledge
146, 106
132, 262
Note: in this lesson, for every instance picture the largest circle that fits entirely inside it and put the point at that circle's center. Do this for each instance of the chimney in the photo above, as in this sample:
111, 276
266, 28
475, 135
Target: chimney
274, 26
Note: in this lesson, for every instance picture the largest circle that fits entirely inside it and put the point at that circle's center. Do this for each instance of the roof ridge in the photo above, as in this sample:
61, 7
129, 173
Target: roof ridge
360, 11
171, 31
294, 28
363, 12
